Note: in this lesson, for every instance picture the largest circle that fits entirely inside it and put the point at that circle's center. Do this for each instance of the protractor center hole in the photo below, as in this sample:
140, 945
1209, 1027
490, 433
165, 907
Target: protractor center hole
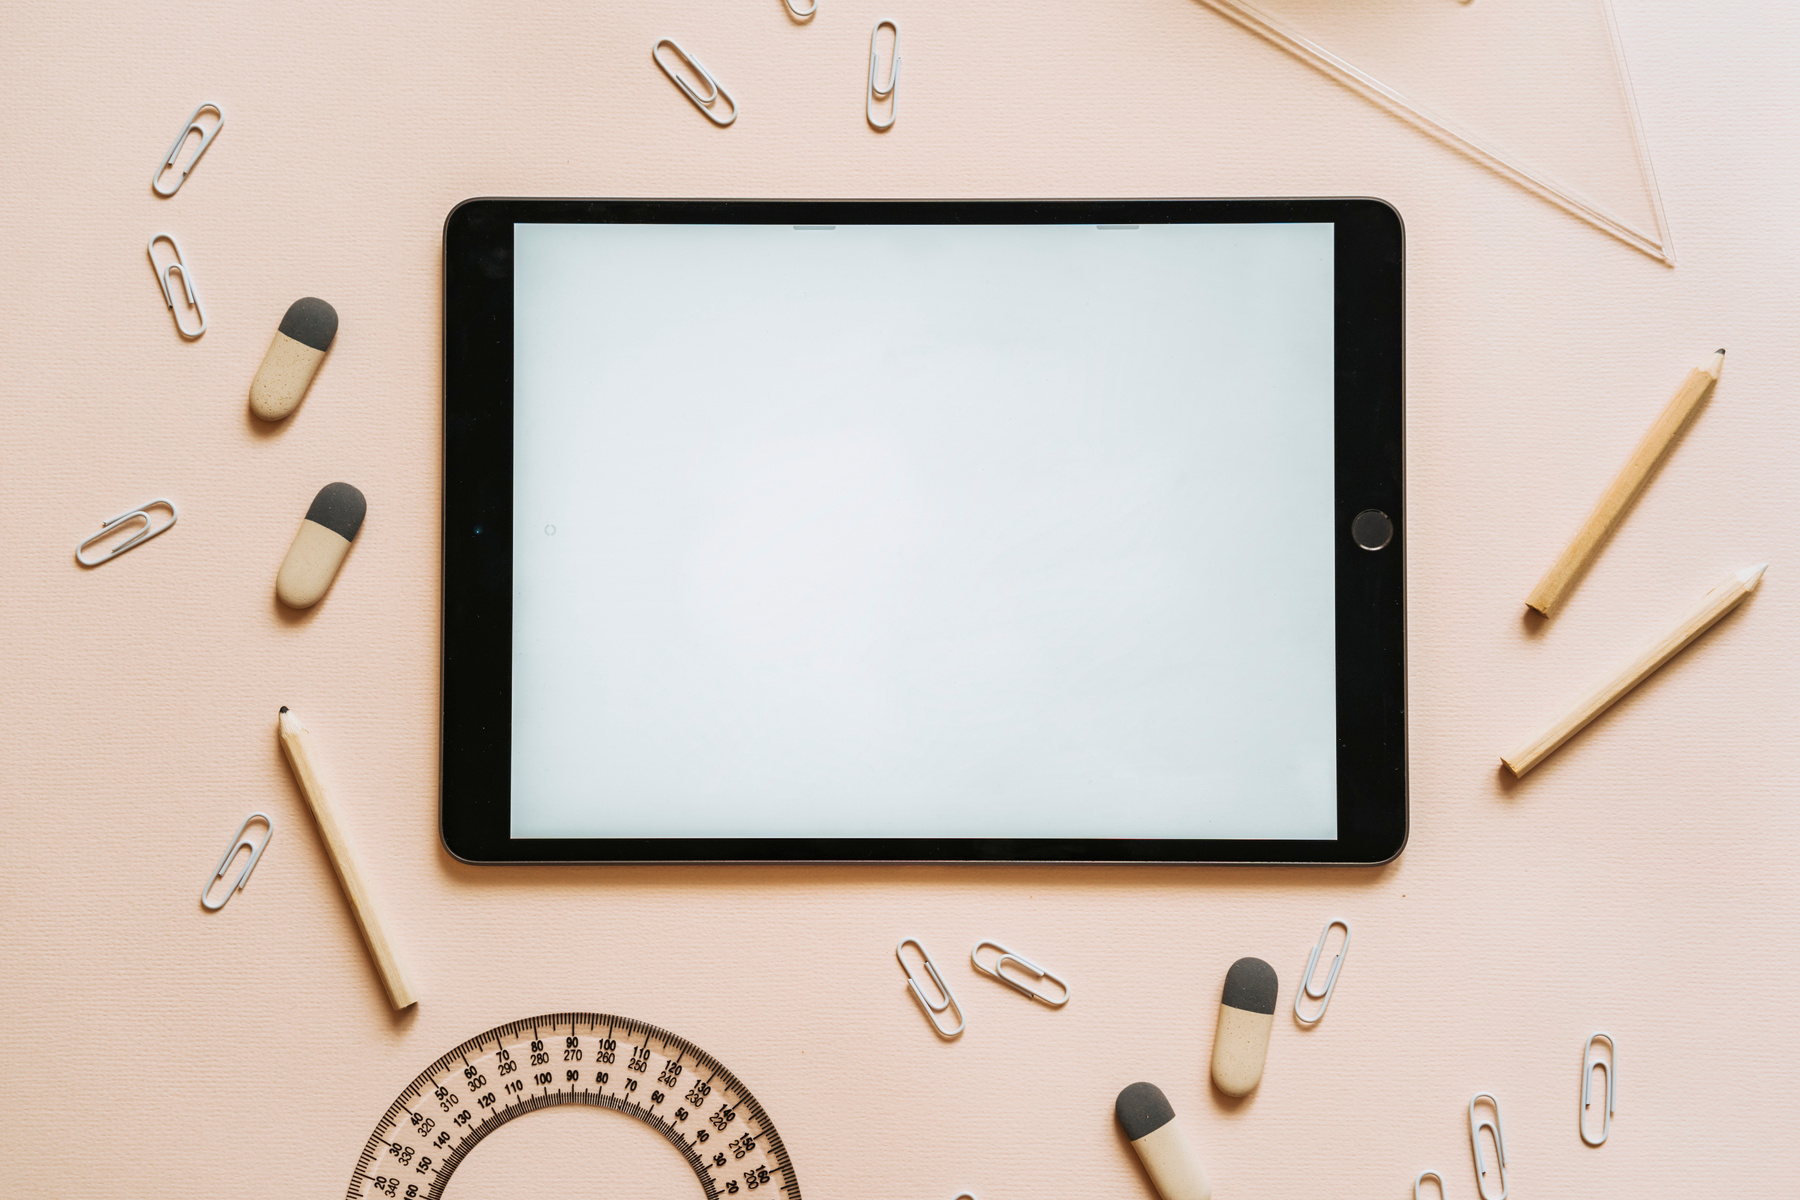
574, 1150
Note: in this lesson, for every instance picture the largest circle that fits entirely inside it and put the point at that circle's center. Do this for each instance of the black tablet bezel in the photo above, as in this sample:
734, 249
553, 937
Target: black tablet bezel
476, 729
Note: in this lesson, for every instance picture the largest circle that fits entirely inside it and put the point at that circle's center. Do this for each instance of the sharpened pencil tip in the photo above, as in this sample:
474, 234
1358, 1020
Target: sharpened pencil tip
1720, 350
1751, 576
283, 709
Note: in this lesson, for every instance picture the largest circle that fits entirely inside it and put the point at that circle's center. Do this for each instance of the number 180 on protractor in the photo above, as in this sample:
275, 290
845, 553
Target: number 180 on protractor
574, 1058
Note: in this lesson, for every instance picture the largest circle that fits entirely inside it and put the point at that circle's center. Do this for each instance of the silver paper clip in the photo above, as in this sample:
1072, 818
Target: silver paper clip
876, 91
1476, 1125
206, 136
187, 281
703, 103
242, 841
1610, 1066
801, 14
1423, 1176
108, 528
1307, 986
997, 971
912, 981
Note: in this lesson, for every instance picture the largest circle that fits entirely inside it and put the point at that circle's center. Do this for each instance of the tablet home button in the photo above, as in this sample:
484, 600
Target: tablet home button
1371, 529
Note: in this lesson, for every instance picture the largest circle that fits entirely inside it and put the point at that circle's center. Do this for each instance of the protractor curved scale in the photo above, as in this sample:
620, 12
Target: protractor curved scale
665, 1081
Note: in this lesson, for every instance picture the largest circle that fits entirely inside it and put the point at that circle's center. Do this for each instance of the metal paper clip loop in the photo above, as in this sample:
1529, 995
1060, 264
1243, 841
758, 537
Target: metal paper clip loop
150, 530
1007, 956
912, 981
1423, 1176
1476, 1125
187, 281
1610, 1065
802, 14
240, 842
703, 103
1307, 987
206, 137
876, 91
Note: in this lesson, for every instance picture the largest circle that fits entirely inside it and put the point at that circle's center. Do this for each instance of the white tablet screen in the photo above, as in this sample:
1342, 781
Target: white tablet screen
938, 531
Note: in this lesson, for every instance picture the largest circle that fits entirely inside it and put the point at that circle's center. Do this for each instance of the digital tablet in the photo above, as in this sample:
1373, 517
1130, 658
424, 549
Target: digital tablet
923, 530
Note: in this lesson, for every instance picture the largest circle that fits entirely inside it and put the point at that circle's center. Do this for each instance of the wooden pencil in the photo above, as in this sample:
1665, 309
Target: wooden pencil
1714, 605
1619, 494
297, 744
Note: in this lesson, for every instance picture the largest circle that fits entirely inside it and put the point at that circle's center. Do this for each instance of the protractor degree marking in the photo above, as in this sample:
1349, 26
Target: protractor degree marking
419, 1154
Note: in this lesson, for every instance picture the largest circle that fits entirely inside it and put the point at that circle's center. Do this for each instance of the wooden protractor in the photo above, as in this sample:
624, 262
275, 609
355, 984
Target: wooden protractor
663, 1080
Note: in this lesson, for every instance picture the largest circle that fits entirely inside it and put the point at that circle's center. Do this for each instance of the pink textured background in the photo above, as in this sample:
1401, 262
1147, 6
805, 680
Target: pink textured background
1642, 881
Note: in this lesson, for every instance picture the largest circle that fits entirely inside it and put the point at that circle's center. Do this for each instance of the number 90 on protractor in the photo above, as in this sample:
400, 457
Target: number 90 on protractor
663, 1080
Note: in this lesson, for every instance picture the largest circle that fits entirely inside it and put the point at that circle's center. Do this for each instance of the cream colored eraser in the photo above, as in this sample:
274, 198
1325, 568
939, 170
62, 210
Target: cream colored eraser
1246, 1014
1148, 1120
319, 548
287, 370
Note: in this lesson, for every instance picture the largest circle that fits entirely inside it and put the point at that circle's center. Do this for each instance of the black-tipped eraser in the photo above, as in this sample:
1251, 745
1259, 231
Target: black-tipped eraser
1142, 1109
1251, 985
311, 322
319, 548
1144, 1114
341, 508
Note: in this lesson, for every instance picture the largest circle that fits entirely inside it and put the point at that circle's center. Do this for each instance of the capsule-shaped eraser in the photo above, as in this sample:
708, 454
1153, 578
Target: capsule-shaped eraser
1246, 1013
1148, 1120
318, 551
299, 347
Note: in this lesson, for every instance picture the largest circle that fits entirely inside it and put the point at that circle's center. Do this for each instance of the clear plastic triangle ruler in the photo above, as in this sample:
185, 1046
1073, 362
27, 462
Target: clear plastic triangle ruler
1537, 91
664, 1081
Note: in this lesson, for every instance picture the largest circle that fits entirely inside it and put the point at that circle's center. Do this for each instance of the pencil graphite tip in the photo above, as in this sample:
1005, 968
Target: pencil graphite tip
1715, 364
1751, 576
284, 708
